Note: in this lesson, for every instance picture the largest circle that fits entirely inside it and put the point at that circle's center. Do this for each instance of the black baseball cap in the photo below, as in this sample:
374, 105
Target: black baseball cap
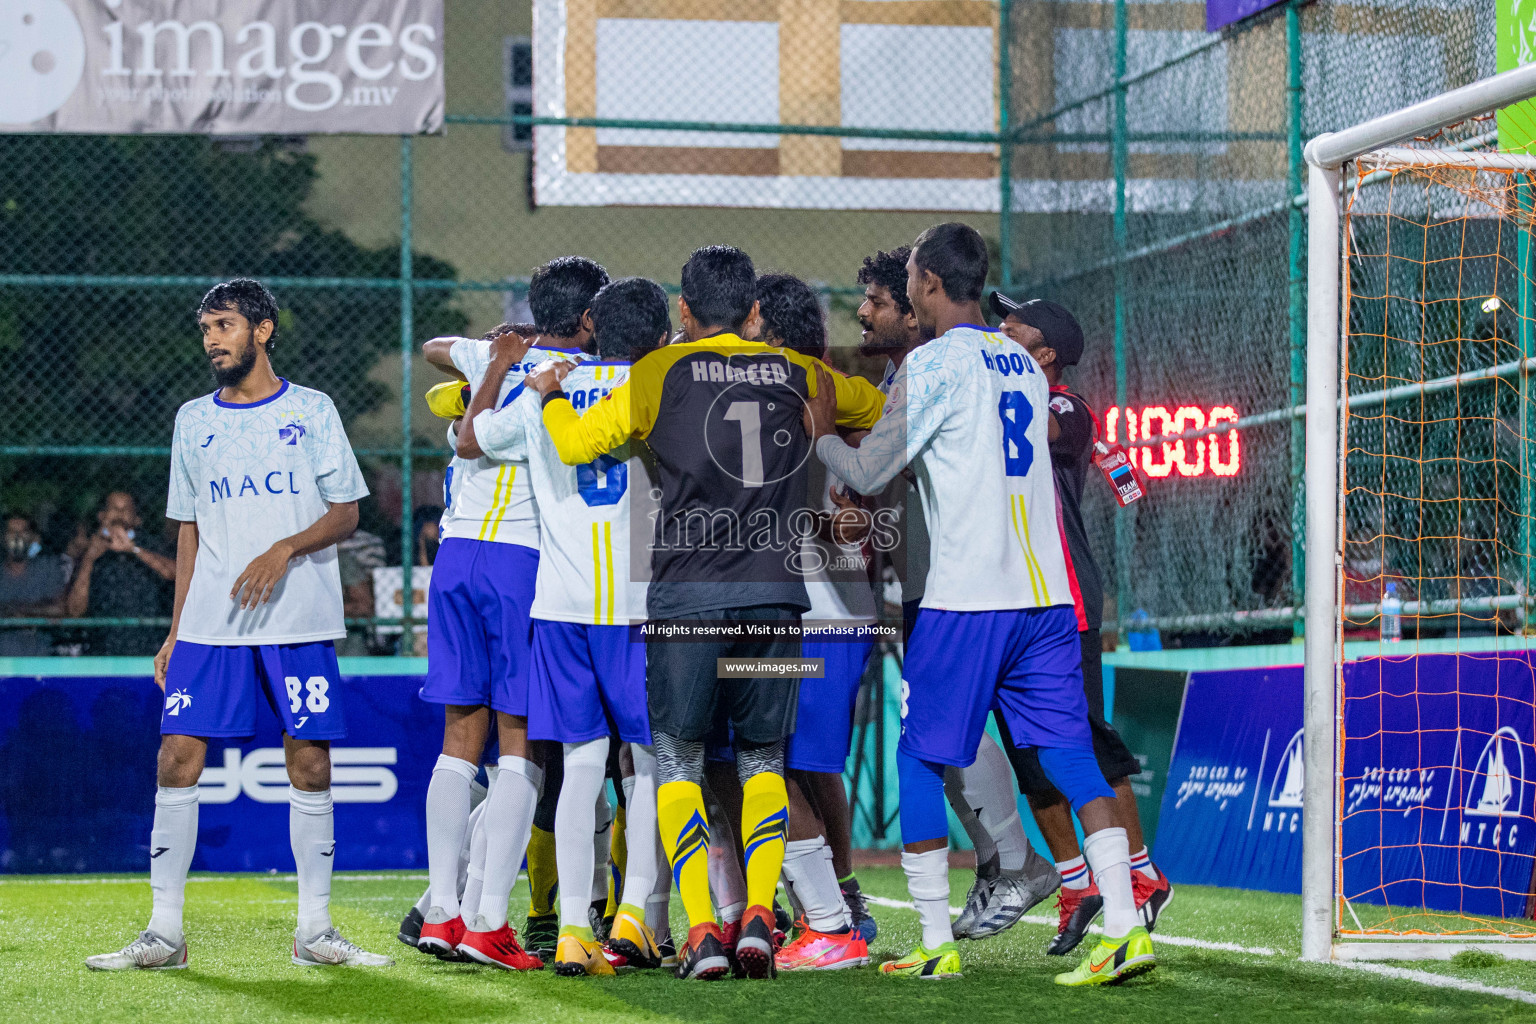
1051, 319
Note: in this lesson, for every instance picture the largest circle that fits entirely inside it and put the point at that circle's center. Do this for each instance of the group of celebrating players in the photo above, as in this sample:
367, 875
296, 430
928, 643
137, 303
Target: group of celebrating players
639, 562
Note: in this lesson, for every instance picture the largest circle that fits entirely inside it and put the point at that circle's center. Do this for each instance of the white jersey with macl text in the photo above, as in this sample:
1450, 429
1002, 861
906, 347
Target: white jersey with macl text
249, 476
586, 573
488, 498
969, 411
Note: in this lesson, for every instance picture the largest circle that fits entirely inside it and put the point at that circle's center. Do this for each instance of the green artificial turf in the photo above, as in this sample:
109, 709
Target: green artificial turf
240, 931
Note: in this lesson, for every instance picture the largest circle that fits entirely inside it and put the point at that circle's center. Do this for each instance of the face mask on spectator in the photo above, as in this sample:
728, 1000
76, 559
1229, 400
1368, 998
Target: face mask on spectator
19, 549
107, 533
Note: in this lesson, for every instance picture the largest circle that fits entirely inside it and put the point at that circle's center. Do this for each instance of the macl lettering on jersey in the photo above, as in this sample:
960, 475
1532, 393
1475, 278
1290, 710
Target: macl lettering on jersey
221, 488
773, 372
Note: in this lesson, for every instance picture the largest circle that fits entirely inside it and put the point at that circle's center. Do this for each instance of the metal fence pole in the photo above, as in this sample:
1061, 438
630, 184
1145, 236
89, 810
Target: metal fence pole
1124, 523
1295, 165
1524, 204
1004, 147
407, 334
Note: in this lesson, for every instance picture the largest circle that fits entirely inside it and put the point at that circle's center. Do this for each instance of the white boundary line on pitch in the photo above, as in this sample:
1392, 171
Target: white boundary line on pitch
1381, 970
1172, 940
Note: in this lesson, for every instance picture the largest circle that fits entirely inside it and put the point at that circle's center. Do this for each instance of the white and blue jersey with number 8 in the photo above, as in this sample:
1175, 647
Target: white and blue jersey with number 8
968, 411
585, 571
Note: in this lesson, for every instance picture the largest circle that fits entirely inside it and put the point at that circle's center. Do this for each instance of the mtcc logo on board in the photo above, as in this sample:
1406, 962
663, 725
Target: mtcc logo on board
1495, 791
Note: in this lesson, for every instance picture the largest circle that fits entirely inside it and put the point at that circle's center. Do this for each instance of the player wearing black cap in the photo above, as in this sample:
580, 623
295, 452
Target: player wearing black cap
1054, 338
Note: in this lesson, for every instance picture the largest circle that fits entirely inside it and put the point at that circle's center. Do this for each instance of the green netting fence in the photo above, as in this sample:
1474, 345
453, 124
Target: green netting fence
1139, 169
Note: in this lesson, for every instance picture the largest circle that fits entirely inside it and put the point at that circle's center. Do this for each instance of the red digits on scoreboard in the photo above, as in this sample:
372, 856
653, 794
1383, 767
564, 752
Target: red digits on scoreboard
1217, 454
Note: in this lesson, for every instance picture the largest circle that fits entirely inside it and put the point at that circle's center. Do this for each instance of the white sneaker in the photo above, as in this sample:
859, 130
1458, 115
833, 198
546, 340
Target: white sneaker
148, 952
329, 949
975, 906
1011, 897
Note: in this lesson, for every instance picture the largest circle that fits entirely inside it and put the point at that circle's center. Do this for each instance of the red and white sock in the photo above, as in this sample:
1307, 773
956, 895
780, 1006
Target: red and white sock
1141, 861
1074, 873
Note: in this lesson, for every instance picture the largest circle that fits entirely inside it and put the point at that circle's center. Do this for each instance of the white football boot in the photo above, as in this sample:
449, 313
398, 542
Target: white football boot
329, 949
148, 952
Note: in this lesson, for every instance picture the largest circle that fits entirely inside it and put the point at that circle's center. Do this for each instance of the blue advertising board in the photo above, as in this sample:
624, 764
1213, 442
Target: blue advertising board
1231, 811
1436, 782
77, 778
1437, 773
1221, 13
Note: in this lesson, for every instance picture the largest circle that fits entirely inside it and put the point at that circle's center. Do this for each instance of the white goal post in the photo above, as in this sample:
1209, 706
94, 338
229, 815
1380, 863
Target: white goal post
1326, 156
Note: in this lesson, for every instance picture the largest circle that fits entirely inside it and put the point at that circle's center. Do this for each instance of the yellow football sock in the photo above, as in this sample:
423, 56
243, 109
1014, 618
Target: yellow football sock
543, 879
685, 836
764, 821
618, 856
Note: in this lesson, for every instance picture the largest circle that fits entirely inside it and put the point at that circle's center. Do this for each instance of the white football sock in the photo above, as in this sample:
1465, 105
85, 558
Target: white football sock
508, 822
981, 842
1109, 855
585, 764
312, 833
1074, 873
813, 882
474, 867
989, 787
726, 880
928, 883
447, 826
172, 840
602, 836
658, 904
640, 832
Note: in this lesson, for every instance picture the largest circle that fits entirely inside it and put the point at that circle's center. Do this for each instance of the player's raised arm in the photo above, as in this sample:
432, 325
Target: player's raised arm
627, 411
503, 433
437, 352
912, 416
506, 349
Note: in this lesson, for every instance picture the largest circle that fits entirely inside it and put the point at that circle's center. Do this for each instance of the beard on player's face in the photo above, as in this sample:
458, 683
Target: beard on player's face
233, 374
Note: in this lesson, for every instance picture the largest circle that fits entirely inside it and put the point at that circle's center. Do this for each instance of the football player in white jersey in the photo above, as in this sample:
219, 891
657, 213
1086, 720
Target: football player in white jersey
588, 662
478, 649
264, 483
997, 625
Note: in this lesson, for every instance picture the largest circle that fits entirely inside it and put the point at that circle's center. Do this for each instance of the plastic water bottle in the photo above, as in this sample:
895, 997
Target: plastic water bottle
1391, 615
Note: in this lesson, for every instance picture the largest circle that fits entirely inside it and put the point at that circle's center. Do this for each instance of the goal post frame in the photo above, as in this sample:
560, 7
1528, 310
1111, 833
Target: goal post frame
1326, 156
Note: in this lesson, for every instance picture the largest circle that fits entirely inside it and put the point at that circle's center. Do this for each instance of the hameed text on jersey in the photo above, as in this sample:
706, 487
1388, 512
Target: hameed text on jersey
250, 475
586, 573
969, 411
489, 499
723, 417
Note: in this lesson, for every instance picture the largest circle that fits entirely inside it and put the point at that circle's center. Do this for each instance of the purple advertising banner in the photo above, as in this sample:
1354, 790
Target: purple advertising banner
1221, 13
1231, 812
77, 778
1437, 776
1437, 782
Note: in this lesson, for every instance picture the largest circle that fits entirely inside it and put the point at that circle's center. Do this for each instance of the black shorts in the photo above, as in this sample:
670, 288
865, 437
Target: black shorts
687, 700
1115, 759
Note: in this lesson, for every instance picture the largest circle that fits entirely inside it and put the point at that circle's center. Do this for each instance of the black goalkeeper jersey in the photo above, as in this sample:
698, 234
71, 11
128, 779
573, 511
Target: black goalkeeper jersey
723, 417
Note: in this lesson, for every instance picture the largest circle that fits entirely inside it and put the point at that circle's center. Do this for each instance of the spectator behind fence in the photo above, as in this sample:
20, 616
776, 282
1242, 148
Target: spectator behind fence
357, 557
123, 573
31, 584
428, 532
